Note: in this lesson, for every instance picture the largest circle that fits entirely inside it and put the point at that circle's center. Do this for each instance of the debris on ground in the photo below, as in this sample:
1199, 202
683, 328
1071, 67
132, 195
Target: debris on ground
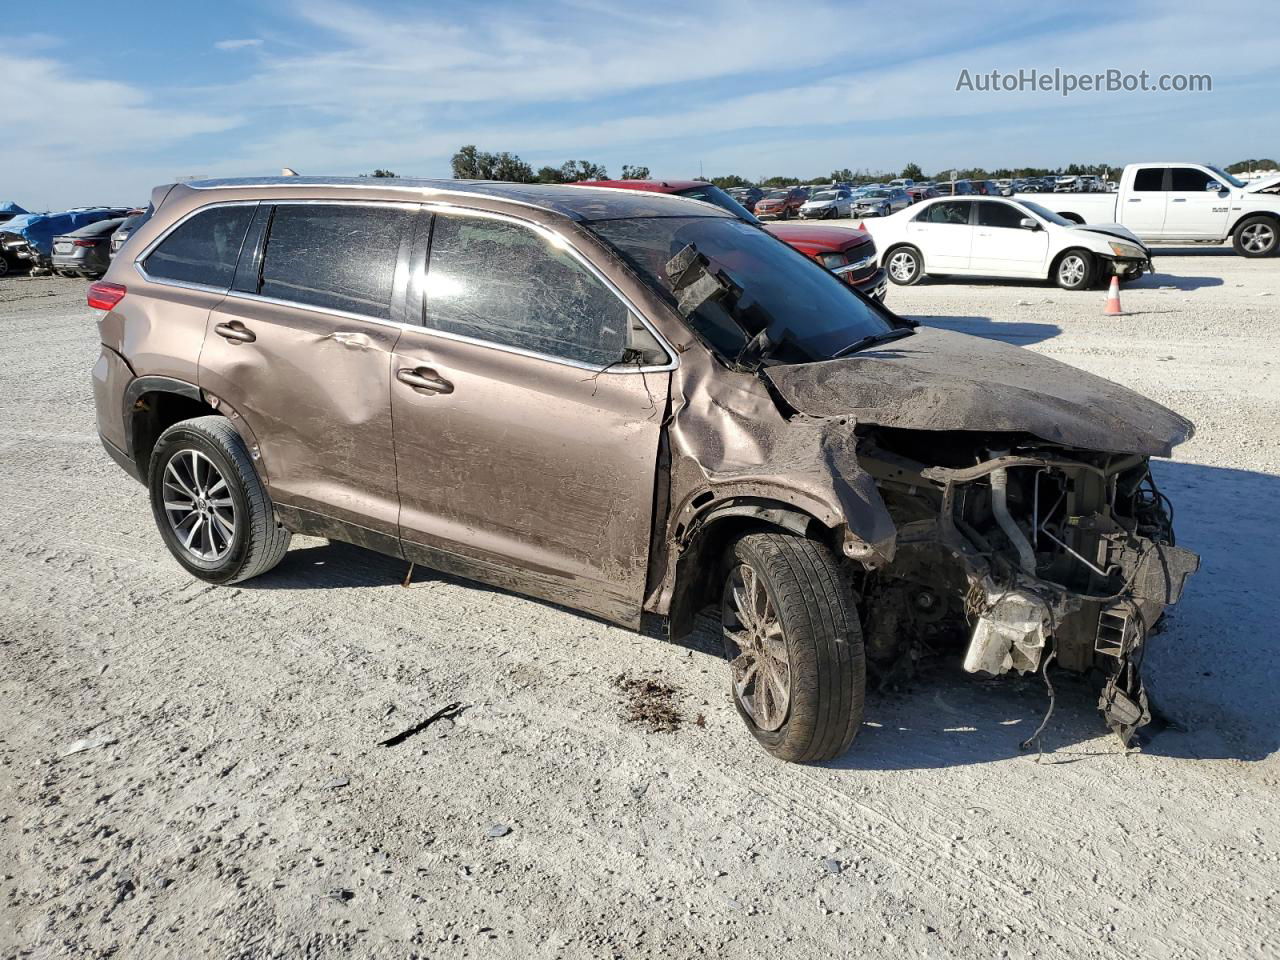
444, 713
90, 743
650, 702
498, 830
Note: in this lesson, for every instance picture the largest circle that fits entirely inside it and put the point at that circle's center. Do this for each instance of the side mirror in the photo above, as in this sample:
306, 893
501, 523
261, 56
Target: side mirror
1213, 186
1026, 223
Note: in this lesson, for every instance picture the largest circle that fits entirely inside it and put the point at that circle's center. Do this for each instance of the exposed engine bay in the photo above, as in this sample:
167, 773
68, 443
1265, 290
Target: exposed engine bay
1027, 552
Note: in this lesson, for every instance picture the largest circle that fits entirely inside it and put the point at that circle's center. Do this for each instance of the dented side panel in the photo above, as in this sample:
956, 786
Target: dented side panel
314, 389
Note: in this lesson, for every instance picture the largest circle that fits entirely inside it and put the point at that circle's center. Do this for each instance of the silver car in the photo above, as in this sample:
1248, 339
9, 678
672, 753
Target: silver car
881, 202
828, 204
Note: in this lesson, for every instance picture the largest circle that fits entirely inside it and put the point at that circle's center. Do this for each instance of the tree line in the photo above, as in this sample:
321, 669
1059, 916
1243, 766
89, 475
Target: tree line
469, 163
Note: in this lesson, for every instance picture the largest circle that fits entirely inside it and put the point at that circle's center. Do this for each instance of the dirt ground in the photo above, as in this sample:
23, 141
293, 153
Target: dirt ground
228, 797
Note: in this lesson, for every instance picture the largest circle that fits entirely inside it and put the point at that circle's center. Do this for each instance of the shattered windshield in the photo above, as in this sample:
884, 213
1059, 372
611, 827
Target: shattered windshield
808, 313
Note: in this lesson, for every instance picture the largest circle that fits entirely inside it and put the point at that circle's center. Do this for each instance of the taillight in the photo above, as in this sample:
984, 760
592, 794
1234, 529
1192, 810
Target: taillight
85, 243
105, 296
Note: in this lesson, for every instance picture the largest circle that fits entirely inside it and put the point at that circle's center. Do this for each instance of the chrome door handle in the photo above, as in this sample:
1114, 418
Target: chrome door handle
1178, 199
236, 332
1135, 199
424, 379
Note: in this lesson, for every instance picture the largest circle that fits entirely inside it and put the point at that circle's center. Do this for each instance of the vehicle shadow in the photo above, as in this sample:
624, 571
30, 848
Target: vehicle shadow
1193, 250
1019, 334
1156, 281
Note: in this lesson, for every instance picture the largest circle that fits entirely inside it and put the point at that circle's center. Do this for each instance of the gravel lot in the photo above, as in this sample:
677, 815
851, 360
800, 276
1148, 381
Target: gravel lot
231, 799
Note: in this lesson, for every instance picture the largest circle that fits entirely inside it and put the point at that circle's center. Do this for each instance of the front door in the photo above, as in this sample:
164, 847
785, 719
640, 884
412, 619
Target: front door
305, 358
526, 451
1197, 205
1002, 247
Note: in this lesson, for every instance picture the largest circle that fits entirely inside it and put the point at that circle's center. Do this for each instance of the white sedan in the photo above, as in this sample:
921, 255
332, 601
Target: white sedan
996, 237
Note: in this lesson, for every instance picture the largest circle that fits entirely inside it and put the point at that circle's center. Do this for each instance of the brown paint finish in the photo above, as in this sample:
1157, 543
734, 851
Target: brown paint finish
540, 473
314, 387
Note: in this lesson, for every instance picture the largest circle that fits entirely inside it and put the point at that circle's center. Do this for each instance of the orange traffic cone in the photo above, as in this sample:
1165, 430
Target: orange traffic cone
862, 225
1113, 299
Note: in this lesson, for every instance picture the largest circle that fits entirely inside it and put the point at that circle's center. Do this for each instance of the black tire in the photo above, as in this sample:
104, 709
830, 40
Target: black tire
257, 543
4, 265
904, 264
813, 604
1255, 237
1075, 269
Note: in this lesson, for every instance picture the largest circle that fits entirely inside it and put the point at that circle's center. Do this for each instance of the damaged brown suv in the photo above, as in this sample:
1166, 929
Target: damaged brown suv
626, 403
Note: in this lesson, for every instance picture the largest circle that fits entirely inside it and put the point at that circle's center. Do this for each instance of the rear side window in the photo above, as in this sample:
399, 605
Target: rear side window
950, 211
334, 256
1149, 180
999, 215
204, 249
505, 284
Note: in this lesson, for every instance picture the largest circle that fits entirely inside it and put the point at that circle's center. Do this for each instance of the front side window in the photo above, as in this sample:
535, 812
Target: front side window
1149, 180
1191, 180
999, 215
334, 256
506, 284
204, 249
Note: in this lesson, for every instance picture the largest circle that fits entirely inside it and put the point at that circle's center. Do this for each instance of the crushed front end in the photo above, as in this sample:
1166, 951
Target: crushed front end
1026, 552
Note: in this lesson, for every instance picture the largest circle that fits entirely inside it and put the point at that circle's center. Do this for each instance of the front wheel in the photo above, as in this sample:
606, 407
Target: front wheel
212, 509
1255, 237
905, 266
794, 645
1075, 270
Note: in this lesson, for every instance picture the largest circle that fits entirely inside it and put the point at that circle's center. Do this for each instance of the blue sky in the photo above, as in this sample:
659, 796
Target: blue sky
103, 101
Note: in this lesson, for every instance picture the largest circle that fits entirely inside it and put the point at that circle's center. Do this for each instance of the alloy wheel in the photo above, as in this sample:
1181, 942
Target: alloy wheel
1258, 238
199, 506
1072, 269
754, 640
902, 266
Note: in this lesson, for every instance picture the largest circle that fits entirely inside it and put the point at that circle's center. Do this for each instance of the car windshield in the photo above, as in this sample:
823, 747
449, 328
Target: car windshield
713, 194
876, 193
1223, 175
777, 195
1044, 213
809, 313
824, 195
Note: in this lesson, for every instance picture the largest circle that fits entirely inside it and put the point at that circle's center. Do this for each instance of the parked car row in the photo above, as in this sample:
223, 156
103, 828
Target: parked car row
77, 242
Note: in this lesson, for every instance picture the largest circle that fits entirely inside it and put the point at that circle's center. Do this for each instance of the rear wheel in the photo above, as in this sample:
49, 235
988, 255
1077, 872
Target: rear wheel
905, 265
795, 646
211, 507
1075, 270
1255, 237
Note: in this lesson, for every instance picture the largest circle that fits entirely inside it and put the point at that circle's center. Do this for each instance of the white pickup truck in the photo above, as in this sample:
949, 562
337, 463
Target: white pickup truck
1182, 201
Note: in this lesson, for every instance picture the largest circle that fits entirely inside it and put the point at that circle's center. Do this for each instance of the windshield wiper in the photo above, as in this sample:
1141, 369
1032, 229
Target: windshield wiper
871, 341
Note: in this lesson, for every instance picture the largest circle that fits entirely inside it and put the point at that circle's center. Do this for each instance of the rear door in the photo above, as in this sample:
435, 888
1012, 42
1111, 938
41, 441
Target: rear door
944, 235
301, 349
526, 449
1196, 206
1142, 209
1002, 247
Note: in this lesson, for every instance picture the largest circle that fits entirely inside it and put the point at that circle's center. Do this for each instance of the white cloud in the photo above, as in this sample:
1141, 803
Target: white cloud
238, 44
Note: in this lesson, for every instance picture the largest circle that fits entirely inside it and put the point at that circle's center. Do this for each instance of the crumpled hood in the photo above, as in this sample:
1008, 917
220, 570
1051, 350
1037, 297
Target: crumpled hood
941, 380
1112, 230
